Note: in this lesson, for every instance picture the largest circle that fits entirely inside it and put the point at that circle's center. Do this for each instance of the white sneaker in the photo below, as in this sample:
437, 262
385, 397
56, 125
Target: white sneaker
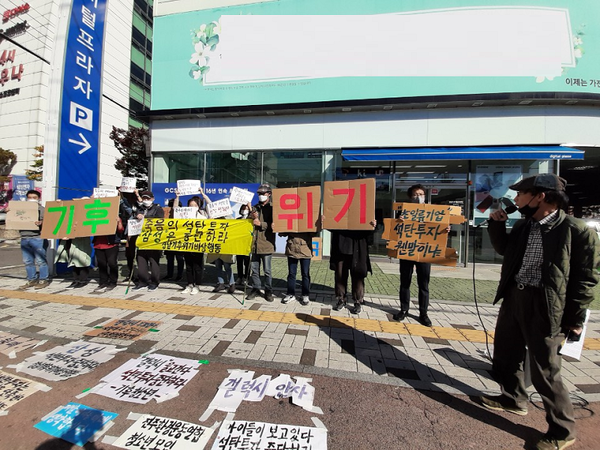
194, 290
305, 300
187, 289
288, 298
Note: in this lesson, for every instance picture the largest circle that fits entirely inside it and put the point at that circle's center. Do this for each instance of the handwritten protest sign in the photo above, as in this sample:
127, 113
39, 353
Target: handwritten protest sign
67, 361
128, 184
134, 227
296, 210
349, 205
242, 196
22, 216
76, 423
14, 389
264, 436
420, 233
154, 376
123, 329
188, 187
162, 433
105, 192
11, 343
220, 208
186, 212
228, 237
80, 218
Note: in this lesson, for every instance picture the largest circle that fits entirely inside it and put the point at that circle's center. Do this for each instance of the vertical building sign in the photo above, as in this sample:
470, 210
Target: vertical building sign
81, 96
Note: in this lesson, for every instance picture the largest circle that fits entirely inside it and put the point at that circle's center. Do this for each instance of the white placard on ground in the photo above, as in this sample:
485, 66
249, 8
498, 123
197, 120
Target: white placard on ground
13, 343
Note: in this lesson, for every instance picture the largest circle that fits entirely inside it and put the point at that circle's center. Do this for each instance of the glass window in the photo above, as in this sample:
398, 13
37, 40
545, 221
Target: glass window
233, 167
178, 166
137, 57
293, 169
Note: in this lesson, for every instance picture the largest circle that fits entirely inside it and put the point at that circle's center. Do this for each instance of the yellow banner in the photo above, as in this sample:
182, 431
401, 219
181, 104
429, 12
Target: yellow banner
228, 237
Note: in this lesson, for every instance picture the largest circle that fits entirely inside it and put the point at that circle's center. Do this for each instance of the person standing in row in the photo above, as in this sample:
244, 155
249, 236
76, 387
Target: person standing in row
350, 257
546, 283
243, 261
148, 260
263, 245
298, 250
33, 249
170, 255
76, 253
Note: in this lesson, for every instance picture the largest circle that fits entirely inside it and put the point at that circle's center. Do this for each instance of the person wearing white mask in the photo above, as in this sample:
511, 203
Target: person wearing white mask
416, 194
148, 260
243, 261
33, 249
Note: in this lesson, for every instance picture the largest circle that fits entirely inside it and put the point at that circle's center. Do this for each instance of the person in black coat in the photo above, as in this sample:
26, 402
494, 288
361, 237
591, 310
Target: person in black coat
148, 260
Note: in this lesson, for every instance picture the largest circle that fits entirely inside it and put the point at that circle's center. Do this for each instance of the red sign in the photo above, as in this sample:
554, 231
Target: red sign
297, 209
349, 205
10, 13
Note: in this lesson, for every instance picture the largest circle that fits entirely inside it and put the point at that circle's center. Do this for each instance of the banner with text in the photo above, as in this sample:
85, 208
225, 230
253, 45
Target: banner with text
296, 210
80, 218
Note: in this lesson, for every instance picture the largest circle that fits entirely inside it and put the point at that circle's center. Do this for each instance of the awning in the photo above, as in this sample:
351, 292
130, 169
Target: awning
462, 153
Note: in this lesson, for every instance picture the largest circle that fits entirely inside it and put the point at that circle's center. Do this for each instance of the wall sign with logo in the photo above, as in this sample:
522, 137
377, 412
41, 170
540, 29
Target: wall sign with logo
81, 96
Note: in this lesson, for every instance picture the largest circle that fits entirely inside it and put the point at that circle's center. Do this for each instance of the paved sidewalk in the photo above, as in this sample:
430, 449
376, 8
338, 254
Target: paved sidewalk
314, 339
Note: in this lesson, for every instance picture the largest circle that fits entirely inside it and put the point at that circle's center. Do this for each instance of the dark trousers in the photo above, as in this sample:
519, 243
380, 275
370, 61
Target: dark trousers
148, 267
341, 273
423, 275
523, 322
107, 265
81, 274
243, 266
194, 267
130, 252
304, 270
171, 257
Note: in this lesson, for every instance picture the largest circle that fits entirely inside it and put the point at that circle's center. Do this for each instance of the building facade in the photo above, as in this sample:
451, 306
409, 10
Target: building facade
295, 93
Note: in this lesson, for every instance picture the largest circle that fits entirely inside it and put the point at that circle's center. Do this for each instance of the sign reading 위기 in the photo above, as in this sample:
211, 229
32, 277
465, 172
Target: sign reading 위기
242, 196
22, 216
14, 389
219, 209
188, 187
162, 433
75, 423
349, 205
420, 233
153, 376
228, 237
67, 361
127, 329
80, 218
296, 210
264, 436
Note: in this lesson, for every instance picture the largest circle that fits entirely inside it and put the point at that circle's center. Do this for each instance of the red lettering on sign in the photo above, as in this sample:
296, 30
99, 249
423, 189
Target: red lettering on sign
309, 209
363, 203
350, 193
284, 203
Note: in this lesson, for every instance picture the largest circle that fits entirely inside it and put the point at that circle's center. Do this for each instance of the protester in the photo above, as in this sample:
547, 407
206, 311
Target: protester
172, 256
416, 194
107, 252
148, 260
263, 245
298, 250
33, 249
548, 273
194, 261
243, 261
349, 256
133, 201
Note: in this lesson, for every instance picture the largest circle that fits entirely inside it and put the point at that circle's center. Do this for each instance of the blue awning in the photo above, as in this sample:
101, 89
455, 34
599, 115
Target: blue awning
462, 153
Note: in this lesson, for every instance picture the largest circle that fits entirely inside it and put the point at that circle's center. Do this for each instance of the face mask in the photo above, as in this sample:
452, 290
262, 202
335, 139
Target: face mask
245, 214
528, 211
147, 203
419, 199
32, 200
263, 198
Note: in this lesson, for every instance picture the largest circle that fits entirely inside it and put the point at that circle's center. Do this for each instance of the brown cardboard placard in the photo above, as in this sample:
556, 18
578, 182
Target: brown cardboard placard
296, 210
127, 329
420, 233
80, 218
317, 247
349, 205
22, 216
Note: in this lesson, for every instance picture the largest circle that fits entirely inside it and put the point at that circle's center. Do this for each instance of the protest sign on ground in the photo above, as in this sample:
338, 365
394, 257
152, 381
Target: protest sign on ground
124, 329
349, 205
10, 343
14, 389
80, 218
296, 210
22, 216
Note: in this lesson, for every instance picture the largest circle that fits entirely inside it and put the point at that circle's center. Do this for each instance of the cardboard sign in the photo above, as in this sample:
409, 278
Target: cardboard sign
317, 247
420, 233
224, 236
128, 184
75, 423
105, 192
349, 205
185, 212
296, 210
188, 187
123, 329
242, 196
80, 218
219, 209
163, 433
10, 343
13, 389
134, 227
22, 216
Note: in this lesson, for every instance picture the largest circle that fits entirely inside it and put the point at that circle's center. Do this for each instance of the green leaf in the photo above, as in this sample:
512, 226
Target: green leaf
213, 41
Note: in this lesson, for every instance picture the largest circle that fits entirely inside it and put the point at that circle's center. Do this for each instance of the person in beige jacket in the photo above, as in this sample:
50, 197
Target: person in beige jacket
298, 249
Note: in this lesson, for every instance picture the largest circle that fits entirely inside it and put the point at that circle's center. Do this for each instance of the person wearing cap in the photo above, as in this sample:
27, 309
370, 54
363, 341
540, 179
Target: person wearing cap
263, 245
548, 273
148, 260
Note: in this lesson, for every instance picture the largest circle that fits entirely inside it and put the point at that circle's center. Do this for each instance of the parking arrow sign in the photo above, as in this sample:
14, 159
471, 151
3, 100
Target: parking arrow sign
85, 145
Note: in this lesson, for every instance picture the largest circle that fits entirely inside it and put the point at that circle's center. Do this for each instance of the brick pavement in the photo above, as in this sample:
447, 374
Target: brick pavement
314, 338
